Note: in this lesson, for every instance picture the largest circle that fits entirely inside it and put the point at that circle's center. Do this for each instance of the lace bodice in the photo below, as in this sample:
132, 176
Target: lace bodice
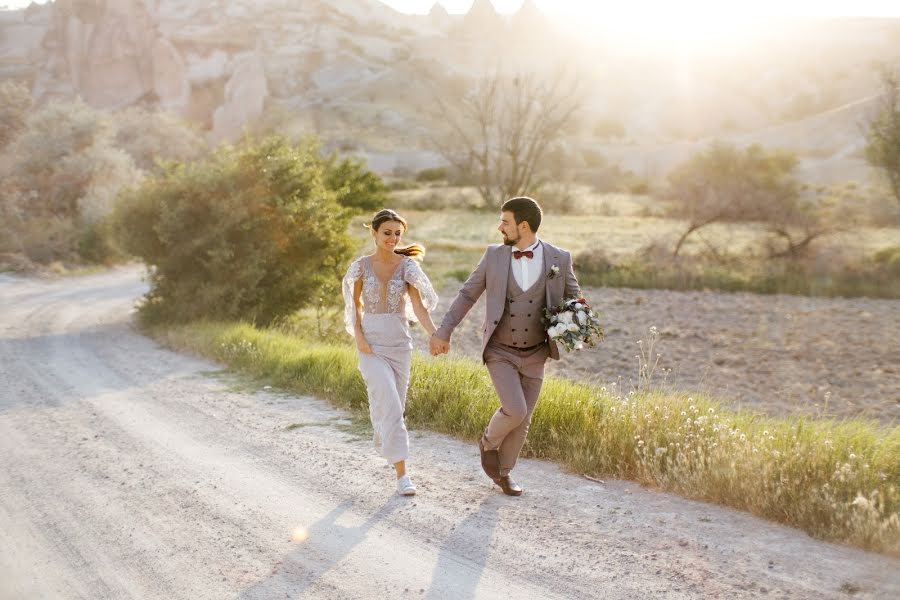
389, 298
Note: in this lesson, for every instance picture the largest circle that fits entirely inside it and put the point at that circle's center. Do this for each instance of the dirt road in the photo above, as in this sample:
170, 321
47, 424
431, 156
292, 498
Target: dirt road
128, 471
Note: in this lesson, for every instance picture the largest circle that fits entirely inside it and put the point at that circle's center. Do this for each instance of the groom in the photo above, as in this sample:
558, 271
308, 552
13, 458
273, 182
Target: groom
521, 277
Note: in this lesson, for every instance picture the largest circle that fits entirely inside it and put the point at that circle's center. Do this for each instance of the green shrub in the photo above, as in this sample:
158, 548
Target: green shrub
96, 244
354, 186
398, 185
253, 232
433, 174
888, 261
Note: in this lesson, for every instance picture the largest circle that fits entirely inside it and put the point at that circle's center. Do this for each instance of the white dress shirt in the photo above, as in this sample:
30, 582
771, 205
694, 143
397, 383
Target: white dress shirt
526, 270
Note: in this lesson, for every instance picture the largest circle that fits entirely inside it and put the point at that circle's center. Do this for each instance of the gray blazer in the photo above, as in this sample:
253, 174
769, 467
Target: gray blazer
492, 274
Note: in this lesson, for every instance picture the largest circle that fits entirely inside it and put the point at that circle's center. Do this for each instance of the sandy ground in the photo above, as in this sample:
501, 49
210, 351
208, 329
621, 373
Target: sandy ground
831, 357
129, 471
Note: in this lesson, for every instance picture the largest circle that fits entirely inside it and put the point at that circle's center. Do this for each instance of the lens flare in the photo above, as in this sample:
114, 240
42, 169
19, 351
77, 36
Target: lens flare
299, 534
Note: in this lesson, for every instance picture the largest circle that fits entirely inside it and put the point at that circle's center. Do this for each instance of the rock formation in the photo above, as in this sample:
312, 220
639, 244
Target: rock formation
439, 16
483, 19
245, 96
111, 54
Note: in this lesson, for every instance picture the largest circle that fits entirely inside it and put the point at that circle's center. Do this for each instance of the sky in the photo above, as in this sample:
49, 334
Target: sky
598, 8
693, 25
605, 10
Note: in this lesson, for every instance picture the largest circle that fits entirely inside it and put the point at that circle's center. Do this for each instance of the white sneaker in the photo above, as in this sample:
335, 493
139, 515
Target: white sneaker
405, 487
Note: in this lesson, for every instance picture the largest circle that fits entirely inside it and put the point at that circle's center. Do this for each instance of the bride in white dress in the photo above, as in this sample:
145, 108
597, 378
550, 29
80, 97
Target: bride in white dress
383, 291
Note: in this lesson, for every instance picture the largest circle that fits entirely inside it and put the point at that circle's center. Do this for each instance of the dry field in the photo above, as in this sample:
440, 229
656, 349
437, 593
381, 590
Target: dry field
780, 354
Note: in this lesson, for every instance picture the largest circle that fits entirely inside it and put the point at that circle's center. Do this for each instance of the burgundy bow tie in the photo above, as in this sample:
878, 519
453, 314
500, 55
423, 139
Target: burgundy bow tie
526, 253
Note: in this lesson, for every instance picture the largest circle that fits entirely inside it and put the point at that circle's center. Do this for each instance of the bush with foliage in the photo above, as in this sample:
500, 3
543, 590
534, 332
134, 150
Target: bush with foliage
15, 100
61, 175
253, 233
355, 187
433, 174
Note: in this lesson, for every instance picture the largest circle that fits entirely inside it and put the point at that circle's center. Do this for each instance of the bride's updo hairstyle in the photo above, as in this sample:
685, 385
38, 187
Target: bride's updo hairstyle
385, 215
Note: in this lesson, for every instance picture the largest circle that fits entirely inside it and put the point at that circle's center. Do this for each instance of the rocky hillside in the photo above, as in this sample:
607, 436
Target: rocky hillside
363, 76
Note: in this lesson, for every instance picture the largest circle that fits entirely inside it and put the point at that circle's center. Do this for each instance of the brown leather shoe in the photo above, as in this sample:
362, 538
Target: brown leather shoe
509, 487
490, 460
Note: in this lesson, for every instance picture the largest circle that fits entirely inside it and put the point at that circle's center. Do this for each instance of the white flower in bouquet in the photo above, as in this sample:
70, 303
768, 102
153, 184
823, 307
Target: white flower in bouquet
573, 324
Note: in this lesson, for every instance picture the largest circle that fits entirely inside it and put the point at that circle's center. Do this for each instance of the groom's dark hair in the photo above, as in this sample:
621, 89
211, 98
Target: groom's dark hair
526, 209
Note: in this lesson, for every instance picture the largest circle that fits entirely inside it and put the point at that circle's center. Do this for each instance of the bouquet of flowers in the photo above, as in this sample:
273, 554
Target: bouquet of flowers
573, 324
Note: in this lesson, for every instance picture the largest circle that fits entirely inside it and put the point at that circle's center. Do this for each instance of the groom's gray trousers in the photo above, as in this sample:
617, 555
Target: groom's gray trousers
517, 376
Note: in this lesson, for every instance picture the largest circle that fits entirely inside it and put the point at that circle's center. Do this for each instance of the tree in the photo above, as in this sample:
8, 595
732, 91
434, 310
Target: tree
883, 136
726, 184
499, 129
793, 226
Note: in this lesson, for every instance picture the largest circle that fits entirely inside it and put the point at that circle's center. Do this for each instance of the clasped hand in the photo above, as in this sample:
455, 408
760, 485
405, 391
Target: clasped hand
438, 346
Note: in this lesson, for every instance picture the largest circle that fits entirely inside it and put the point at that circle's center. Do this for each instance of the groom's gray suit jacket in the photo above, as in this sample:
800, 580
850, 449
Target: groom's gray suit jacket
492, 275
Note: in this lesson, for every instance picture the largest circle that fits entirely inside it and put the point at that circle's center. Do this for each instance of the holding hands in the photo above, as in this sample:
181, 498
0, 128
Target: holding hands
438, 346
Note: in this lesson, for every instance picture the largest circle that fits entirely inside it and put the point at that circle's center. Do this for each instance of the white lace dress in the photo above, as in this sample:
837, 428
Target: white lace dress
386, 313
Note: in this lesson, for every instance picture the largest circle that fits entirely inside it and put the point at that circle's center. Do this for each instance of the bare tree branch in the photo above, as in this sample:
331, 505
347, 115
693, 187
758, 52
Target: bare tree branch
499, 130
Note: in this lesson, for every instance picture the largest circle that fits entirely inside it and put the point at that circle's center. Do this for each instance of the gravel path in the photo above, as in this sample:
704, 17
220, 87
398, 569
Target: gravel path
777, 354
129, 471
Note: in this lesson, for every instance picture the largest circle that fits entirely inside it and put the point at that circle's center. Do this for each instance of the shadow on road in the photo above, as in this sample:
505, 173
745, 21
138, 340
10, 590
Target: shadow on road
327, 544
464, 554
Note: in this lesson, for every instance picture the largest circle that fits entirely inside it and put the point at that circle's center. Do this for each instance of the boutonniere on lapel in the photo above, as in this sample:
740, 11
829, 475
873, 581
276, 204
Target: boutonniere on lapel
554, 271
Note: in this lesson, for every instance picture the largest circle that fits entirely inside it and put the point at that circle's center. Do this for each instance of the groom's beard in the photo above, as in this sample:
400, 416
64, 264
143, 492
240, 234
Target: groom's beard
509, 242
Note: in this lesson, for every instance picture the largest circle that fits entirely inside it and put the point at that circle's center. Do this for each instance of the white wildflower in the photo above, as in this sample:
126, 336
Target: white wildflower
861, 502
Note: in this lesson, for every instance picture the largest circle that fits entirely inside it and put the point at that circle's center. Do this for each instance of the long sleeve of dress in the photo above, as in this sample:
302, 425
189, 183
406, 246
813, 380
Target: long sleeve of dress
354, 272
416, 277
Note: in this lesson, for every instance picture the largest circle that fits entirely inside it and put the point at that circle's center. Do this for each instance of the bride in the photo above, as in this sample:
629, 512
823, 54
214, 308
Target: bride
382, 292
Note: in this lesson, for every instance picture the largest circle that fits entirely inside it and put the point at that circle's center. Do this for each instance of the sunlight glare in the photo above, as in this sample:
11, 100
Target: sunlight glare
299, 534
691, 25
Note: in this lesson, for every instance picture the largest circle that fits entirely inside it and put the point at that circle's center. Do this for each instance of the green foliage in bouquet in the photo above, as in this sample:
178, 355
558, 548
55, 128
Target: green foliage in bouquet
251, 233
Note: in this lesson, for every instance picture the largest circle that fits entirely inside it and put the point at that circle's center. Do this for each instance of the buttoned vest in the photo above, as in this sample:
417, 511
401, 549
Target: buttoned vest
520, 326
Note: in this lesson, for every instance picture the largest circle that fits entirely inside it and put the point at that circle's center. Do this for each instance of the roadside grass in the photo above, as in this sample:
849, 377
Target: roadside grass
836, 480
